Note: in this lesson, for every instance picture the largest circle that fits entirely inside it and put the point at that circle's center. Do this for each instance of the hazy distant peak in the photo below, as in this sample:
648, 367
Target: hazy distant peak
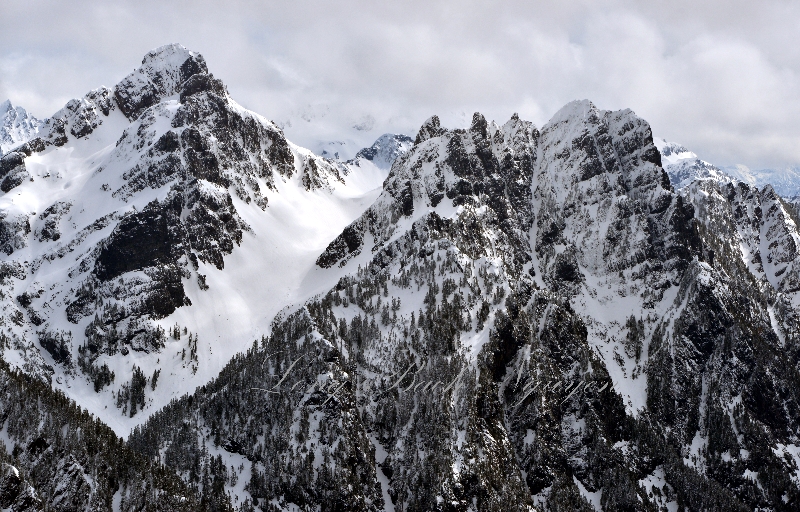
672, 152
386, 149
16, 126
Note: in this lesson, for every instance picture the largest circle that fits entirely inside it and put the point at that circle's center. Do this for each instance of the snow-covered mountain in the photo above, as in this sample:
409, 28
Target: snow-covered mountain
156, 205
672, 152
499, 318
16, 126
683, 166
382, 153
386, 150
519, 302
786, 181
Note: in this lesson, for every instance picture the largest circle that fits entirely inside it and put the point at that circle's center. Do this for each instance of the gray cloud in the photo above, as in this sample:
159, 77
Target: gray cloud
721, 78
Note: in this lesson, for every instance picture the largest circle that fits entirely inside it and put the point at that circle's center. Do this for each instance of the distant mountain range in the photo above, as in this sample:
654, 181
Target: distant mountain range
786, 181
683, 167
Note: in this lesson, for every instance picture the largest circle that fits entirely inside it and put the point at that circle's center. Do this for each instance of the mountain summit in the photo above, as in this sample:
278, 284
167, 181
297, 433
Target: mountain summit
16, 126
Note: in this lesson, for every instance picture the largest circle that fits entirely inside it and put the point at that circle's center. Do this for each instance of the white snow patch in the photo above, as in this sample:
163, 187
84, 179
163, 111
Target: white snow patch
592, 497
380, 456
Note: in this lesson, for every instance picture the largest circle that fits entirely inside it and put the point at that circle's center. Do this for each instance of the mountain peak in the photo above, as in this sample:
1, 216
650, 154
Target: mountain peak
479, 125
672, 152
386, 149
170, 54
576, 109
432, 127
16, 126
172, 61
163, 72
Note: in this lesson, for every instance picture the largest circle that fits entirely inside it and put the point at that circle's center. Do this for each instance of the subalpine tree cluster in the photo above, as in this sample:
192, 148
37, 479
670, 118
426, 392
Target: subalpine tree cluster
131, 397
115, 329
634, 337
191, 357
100, 376
75, 462
58, 344
248, 410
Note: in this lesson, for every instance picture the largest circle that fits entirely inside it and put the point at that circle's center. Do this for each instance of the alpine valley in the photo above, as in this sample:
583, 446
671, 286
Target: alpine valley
197, 314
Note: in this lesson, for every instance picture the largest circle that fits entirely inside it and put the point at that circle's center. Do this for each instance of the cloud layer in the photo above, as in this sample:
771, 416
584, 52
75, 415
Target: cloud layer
723, 79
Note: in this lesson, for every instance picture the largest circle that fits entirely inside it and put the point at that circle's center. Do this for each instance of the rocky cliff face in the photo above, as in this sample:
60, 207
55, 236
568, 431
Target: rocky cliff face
532, 318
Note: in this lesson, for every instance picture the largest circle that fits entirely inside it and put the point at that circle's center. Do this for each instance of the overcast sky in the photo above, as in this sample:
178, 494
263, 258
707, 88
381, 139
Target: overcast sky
723, 79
